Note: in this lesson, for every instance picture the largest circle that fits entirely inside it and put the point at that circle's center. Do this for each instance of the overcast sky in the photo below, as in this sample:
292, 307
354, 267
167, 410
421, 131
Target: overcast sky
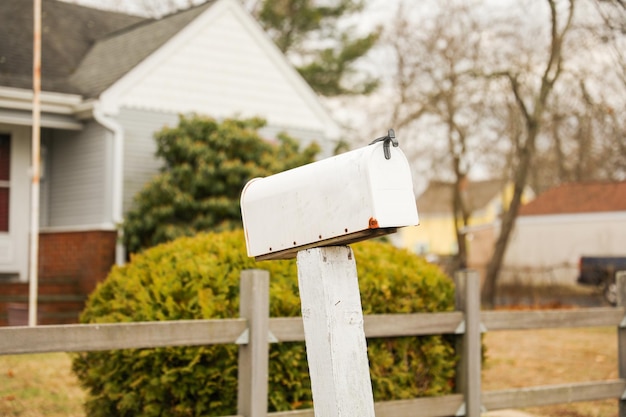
378, 10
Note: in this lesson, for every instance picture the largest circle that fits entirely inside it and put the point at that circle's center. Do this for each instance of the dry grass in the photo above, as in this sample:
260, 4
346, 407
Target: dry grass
39, 385
553, 356
43, 385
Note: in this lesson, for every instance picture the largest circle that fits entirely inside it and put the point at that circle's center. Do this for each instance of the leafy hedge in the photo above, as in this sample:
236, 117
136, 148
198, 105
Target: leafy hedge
198, 277
206, 164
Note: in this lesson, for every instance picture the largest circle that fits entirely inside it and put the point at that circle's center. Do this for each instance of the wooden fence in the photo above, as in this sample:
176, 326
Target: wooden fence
253, 332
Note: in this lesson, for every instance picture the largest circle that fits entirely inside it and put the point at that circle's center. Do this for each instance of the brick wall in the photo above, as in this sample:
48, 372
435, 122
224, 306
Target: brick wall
70, 266
86, 257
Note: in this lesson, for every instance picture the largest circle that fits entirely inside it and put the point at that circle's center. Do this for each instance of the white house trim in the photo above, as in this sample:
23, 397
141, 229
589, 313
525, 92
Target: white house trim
57, 110
21, 99
23, 118
305, 91
117, 173
103, 227
14, 243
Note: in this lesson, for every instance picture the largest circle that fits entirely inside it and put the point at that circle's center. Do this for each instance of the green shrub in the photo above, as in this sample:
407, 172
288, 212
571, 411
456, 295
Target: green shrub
206, 164
198, 278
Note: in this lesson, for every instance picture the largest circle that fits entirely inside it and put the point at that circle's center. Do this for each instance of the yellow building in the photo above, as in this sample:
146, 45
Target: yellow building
435, 236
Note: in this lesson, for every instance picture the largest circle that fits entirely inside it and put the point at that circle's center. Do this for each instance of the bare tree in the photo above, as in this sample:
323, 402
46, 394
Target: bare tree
532, 101
481, 99
583, 139
436, 51
613, 31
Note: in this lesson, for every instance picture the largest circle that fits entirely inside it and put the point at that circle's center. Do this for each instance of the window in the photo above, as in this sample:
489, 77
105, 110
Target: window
5, 180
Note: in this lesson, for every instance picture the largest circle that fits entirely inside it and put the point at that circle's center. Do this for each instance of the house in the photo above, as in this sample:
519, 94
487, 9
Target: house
562, 224
436, 234
109, 82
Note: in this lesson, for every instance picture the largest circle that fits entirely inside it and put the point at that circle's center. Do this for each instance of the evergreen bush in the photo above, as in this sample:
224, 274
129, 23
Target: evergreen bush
198, 278
206, 164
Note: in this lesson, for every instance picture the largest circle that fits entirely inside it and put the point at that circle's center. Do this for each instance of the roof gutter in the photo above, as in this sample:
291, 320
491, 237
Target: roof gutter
57, 110
118, 185
22, 99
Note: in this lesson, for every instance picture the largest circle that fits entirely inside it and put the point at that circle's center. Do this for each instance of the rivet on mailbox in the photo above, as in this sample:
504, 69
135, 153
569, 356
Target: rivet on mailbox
343, 199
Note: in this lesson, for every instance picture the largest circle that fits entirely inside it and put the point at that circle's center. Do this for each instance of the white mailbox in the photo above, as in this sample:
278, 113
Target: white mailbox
350, 197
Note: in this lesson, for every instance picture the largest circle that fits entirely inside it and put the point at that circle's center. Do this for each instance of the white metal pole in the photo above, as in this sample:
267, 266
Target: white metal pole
35, 164
333, 331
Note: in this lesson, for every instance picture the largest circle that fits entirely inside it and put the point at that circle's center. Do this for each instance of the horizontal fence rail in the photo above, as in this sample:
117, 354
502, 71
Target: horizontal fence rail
110, 336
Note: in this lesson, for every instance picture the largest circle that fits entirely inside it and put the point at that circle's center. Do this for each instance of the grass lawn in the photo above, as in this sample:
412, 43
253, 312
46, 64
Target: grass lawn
43, 385
39, 385
553, 356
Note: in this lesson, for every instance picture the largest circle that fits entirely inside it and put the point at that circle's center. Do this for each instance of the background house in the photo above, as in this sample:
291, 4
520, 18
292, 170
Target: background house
562, 224
109, 81
435, 234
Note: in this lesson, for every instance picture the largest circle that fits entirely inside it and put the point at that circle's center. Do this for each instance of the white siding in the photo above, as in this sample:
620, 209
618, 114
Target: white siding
305, 138
224, 68
140, 163
553, 244
80, 177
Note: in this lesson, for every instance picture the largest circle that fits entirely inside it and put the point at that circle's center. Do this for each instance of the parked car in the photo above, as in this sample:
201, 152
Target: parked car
600, 271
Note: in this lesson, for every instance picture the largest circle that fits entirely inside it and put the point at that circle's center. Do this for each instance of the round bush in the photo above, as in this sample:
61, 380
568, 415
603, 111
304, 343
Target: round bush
198, 278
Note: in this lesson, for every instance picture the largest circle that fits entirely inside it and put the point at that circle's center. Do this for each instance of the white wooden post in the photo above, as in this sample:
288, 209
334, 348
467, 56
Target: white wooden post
254, 349
333, 332
620, 281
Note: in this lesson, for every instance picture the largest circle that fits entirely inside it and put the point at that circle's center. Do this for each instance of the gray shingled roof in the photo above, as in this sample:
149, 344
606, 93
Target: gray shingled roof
437, 199
115, 55
84, 50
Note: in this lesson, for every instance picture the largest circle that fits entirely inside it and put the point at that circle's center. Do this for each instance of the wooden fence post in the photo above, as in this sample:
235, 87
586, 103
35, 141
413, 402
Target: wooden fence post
469, 369
253, 344
333, 332
620, 280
